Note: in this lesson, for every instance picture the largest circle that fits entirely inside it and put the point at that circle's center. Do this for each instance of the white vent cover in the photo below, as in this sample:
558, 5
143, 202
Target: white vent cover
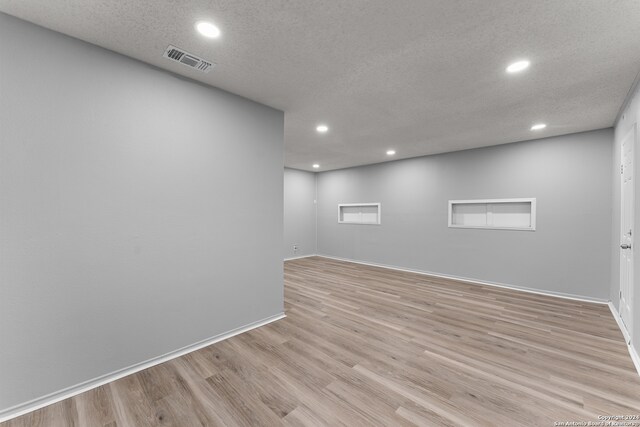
188, 59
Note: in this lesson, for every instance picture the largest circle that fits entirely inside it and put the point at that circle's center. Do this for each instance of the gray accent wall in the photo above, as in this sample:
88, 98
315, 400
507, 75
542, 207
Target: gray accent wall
630, 117
568, 254
139, 212
299, 213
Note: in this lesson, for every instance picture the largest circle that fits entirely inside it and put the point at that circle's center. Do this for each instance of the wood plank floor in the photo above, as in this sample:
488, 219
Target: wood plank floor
365, 346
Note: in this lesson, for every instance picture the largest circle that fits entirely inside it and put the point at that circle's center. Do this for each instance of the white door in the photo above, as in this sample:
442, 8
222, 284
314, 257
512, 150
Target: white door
626, 229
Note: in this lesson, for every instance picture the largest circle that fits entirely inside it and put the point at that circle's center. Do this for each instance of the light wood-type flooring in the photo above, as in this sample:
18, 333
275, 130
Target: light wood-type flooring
366, 346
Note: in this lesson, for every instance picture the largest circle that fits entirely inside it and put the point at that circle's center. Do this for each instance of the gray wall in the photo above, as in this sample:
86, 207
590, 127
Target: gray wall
299, 213
568, 254
132, 202
630, 117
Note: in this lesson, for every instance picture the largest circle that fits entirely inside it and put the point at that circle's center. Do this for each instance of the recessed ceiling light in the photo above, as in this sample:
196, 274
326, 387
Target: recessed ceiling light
538, 126
391, 152
207, 29
518, 66
316, 166
322, 128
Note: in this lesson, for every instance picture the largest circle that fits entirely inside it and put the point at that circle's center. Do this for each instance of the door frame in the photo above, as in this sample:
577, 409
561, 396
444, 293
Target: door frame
633, 134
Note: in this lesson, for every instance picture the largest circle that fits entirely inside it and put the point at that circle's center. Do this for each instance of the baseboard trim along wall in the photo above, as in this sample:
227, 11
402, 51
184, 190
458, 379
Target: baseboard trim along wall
299, 257
616, 316
632, 350
66, 393
475, 281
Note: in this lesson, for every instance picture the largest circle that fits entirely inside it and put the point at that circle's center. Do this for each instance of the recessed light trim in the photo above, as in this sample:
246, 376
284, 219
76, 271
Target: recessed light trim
316, 166
538, 126
391, 152
322, 128
208, 29
518, 66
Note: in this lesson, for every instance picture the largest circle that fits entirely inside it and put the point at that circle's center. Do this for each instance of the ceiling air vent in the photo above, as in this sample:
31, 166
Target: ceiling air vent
188, 59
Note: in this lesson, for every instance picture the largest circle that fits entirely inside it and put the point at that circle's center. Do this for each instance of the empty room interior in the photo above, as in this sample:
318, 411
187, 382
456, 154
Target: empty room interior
319, 213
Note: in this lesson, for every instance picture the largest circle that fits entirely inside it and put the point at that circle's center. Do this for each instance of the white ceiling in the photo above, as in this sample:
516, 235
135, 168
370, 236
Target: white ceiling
420, 77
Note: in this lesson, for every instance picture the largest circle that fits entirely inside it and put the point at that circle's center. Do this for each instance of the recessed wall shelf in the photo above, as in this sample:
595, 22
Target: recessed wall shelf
359, 213
496, 214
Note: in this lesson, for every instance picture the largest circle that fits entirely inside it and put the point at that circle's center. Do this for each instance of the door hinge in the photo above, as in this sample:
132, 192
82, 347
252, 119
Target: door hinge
620, 294
621, 169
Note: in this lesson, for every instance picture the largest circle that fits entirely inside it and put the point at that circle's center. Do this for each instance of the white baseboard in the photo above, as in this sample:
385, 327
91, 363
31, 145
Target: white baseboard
299, 257
627, 339
475, 281
616, 316
634, 356
23, 408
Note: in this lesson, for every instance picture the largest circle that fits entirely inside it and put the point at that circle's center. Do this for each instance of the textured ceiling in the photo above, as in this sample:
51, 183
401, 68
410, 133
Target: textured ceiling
420, 77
